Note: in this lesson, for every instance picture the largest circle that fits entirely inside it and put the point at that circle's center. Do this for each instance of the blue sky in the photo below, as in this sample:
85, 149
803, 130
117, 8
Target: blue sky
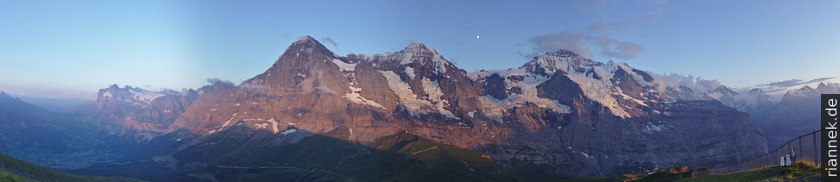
73, 48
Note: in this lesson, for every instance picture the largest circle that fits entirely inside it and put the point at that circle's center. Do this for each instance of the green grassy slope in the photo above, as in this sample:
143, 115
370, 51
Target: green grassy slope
800, 172
29, 171
803, 171
12, 169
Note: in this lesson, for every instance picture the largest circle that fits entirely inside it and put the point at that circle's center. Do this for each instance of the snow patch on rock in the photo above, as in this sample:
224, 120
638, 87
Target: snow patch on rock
289, 131
434, 94
600, 90
261, 125
342, 66
107, 94
144, 97
408, 99
495, 108
357, 98
410, 72
651, 127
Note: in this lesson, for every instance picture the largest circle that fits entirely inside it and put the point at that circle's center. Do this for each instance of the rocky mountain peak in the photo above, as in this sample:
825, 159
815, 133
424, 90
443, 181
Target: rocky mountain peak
417, 58
828, 87
305, 59
805, 91
725, 91
128, 94
306, 40
306, 46
562, 60
424, 55
564, 53
417, 47
756, 91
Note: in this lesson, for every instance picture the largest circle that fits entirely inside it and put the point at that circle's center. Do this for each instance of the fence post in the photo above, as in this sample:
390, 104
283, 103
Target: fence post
800, 150
817, 163
771, 158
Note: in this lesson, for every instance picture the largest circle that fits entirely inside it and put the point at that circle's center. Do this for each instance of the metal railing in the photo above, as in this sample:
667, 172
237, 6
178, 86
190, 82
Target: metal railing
804, 148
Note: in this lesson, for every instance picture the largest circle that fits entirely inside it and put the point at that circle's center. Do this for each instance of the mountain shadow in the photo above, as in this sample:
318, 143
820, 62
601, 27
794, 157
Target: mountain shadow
242, 154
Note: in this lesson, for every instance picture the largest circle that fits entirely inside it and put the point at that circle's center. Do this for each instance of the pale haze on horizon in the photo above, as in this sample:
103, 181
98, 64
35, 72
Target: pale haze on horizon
73, 48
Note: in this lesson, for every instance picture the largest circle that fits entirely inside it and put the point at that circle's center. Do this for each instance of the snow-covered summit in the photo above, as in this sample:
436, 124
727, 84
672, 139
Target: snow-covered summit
133, 95
306, 45
616, 86
563, 60
305, 39
417, 47
756, 91
803, 92
420, 55
831, 87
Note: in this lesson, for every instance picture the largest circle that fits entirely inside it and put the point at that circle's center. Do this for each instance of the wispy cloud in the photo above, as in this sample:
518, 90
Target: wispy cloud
653, 16
213, 81
675, 80
797, 82
616, 48
590, 4
578, 42
598, 37
329, 40
657, 1
604, 26
426, 9
573, 41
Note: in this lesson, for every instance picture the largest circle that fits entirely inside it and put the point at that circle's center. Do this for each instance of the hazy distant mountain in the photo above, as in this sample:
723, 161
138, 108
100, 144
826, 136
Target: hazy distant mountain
62, 105
47, 138
794, 115
782, 117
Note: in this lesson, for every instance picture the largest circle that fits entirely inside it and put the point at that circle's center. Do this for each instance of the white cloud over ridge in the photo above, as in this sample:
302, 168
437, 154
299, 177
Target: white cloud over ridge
580, 42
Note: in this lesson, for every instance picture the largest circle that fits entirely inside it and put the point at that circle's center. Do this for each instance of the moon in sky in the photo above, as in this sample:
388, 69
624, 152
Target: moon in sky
477, 37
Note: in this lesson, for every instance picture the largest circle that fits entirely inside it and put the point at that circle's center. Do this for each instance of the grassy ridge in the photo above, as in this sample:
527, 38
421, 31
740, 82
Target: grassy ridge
25, 171
803, 171
12, 169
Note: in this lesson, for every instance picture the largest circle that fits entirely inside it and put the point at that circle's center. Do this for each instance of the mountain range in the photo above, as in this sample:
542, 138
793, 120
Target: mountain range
413, 115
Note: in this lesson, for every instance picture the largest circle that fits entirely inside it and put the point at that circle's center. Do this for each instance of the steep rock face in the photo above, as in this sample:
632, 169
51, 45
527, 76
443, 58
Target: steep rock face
430, 78
134, 112
140, 114
494, 85
570, 115
308, 87
688, 135
588, 119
